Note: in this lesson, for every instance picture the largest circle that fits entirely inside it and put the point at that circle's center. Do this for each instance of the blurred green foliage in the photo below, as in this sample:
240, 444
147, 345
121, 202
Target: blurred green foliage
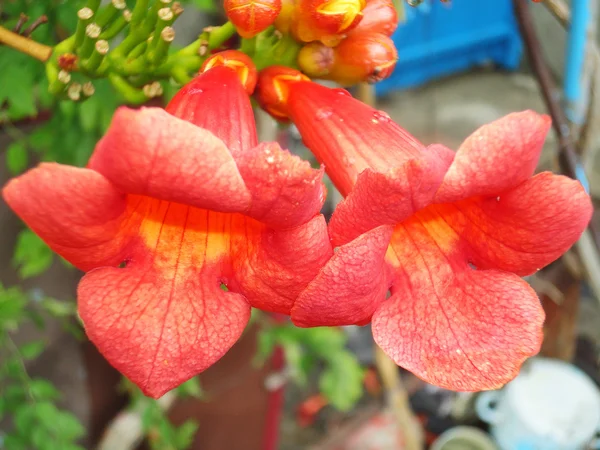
317, 350
31, 403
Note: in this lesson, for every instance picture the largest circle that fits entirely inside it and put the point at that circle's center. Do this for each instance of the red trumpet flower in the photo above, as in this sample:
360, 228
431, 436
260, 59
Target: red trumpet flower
462, 228
182, 223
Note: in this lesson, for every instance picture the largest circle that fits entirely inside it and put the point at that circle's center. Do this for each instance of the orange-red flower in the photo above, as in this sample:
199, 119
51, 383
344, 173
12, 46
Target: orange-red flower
250, 17
182, 223
462, 228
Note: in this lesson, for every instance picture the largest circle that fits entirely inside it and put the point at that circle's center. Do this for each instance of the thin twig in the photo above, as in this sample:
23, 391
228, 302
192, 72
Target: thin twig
22, 44
560, 10
36, 23
23, 18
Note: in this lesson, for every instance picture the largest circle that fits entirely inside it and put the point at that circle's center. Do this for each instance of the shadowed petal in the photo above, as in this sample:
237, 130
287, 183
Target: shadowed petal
286, 191
150, 152
350, 286
164, 318
387, 198
496, 157
455, 327
274, 268
525, 228
77, 212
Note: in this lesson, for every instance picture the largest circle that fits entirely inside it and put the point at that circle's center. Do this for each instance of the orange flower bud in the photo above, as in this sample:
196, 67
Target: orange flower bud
325, 19
273, 89
379, 16
250, 17
316, 59
284, 20
363, 57
239, 62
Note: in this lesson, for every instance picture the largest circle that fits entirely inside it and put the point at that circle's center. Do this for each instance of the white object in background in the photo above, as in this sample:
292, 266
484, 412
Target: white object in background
463, 438
551, 405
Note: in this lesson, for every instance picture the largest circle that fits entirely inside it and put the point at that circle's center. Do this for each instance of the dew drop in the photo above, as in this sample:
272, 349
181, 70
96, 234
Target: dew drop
380, 116
341, 91
497, 199
324, 113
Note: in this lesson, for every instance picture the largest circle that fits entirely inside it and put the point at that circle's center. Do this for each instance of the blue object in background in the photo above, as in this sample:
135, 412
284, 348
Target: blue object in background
439, 39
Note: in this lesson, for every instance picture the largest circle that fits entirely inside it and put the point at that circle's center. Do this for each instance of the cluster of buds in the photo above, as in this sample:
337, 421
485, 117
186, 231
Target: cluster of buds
347, 41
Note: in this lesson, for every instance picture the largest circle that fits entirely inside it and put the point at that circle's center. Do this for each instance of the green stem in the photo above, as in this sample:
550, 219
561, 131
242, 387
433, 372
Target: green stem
219, 35
140, 11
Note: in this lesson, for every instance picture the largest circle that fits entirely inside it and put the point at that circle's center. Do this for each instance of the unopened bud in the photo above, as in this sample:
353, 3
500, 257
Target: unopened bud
316, 59
237, 61
250, 17
324, 19
379, 16
362, 57
273, 89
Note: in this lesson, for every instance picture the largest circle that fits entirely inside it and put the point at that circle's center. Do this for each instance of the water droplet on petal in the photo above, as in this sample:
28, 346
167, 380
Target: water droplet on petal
497, 199
341, 91
380, 116
324, 113
270, 159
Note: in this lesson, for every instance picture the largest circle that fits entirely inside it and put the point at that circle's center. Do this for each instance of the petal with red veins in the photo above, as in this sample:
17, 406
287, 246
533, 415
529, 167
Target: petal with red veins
271, 269
164, 318
496, 157
150, 152
216, 101
525, 228
346, 135
387, 198
286, 191
452, 326
350, 286
77, 212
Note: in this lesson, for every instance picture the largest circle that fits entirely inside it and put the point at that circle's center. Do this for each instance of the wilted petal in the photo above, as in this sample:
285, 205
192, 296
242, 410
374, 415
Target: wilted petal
150, 152
496, 157
350, 286
525, 228
455, 327
77, 212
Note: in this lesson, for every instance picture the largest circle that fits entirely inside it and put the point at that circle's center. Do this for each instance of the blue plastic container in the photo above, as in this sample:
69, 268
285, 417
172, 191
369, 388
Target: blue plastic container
439, 39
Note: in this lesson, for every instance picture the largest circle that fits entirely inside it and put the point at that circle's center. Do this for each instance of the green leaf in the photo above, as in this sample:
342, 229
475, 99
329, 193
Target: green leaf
342, 381
43, 390
32, 256
67, 427
324, 341
191, 388
25, 418
59, 308
12, 308
32, 350
17, 157
184, 435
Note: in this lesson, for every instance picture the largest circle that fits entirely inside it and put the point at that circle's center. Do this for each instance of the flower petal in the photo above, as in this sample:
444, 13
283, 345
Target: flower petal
286, 191
164, 318
455, 327
350, 286
216, 101
273, 268
346, 135
77, 212
150, 152
387, 198
525, 228
496, 157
